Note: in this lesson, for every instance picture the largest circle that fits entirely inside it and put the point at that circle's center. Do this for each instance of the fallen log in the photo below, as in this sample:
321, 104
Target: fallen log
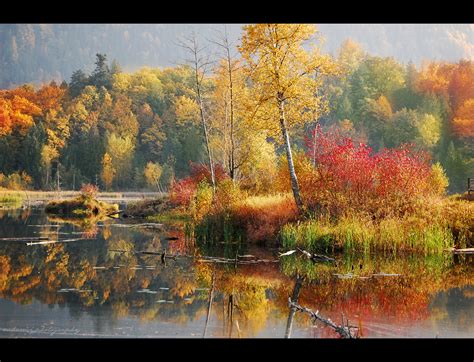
207, 259
363, 277
246, 256
316, 257
465, 250
202, 259
343, 330
171, 238
287, 253
381, 274
55, 241
44, 226
26, 238
115, 213
143, 225
162, 254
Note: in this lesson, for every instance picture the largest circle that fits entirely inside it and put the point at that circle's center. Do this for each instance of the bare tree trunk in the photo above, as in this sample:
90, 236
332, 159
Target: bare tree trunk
47, 176
231, 89
225, 133
224, 43
206, 136
201, 111
314, 149
199, 67
294, 180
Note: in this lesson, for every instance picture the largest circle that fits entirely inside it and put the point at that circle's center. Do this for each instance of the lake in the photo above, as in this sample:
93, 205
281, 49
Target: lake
111, 280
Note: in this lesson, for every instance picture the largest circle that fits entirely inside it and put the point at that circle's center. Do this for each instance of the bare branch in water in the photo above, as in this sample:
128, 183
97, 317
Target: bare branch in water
343, 331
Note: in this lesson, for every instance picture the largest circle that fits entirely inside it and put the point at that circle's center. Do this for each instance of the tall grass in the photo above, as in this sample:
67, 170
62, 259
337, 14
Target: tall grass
254, 219
359, 234
10, 199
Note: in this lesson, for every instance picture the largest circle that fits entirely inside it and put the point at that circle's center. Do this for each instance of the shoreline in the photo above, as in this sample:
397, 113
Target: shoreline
39, 198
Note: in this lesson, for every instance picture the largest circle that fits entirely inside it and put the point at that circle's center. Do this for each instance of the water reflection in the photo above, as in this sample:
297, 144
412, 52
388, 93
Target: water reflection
99, 285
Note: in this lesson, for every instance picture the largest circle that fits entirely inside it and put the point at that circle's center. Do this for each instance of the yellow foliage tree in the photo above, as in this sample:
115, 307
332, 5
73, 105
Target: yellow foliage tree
153, 173
285, 80
108, 171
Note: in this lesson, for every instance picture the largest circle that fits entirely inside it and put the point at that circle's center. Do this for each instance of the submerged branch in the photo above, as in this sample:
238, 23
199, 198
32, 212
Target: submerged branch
148, 225
201, 259
55, 241
465, 250
316, 257
210, 259
343, 331
34, 238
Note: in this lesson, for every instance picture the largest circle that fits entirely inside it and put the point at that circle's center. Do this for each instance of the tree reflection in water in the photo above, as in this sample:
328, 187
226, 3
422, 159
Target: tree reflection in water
247, 301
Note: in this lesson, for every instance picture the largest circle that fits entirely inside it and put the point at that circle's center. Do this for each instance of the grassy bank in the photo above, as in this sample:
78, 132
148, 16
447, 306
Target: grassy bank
32, 196
435, 227
437, 224
422, 222
359, 234
10, 199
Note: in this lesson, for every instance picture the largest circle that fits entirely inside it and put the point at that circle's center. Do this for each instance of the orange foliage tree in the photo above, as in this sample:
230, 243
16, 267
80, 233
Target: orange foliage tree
16, 113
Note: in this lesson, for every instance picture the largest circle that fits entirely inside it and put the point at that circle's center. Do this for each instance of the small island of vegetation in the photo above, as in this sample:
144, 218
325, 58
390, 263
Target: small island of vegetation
83, 206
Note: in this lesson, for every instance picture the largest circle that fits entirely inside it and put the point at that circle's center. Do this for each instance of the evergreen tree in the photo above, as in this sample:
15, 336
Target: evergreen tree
101, 76
78, 83
30, 153
455, 169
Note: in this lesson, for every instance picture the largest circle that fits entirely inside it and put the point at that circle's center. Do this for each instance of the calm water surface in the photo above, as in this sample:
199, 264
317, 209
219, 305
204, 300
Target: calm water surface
93, 283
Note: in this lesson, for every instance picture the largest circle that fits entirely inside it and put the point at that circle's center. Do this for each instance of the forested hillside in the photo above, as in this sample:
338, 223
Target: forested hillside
141, 129
35, 53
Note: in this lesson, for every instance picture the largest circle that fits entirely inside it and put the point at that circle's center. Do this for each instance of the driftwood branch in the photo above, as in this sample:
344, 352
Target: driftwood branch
363, 277
343, 330
55, 241
147, 225
240, 259
34, 238
161, 254
316, 257
115, 213
463, 251
235, 261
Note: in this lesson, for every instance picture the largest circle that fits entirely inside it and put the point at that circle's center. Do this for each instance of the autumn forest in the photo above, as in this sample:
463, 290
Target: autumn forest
141, 130
255, 169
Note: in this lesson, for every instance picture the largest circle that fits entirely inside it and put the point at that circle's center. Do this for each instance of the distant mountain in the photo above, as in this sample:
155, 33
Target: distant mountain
36, 53
405, 42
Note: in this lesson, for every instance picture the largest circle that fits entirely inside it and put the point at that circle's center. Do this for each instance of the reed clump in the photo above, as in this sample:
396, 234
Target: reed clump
438, 225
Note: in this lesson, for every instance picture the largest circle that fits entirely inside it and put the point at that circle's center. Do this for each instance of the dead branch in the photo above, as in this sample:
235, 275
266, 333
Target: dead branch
343, 331
316, 257
55, 241
143, 225
465, 250
210, 259
34, 238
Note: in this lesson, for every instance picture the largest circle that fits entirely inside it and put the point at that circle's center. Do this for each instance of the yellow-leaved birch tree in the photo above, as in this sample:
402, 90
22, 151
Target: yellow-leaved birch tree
285, 81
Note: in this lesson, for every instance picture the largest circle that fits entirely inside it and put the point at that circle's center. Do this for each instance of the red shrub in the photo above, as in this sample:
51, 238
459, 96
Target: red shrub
351, 176
200, 171
89, 191
182, 191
